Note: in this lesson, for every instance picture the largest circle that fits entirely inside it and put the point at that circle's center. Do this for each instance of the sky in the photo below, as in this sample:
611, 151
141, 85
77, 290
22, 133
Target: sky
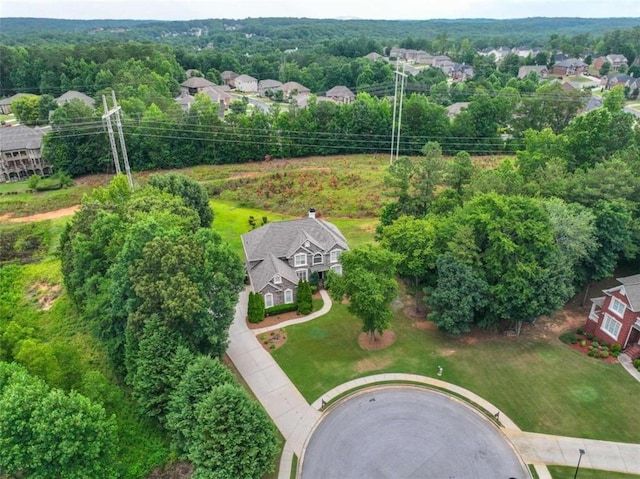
365, 9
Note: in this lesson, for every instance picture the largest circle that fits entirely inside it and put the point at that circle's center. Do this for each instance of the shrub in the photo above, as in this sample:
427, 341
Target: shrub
48, 184
255, 308
636, 363
583, 343
304, 298
580, 331
280, 308
567, 338
604, 354
592, 353
615, 354
595, 344
590, 336
314, 279
33, 181
615, 348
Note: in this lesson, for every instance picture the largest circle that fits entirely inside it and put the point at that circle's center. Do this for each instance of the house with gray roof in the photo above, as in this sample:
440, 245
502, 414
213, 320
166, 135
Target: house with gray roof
294, 89
340, 94
280, 254
75, 95
246, 83
228, 78
541, 70
615, 317
21, 153
269, 85
194, 85
5, 103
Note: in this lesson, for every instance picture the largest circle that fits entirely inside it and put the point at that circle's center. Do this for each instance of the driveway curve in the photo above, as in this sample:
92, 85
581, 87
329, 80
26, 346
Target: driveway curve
403, 431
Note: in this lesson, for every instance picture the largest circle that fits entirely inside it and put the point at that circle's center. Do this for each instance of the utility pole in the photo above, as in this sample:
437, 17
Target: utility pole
395, 136
393, 121
115, 111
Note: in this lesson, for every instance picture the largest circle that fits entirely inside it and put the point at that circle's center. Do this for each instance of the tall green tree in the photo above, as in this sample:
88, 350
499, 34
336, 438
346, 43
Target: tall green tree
368, 281
459, 294
234, 436
193, 193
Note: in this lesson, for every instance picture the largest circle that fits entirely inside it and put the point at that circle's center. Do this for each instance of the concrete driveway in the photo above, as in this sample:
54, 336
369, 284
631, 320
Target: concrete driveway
407, 432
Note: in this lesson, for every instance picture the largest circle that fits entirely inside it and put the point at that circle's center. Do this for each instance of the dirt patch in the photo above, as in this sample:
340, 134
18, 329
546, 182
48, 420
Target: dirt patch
424, 325
380, 341
273, 339
44, 293
372, 364
50, 215
177, 470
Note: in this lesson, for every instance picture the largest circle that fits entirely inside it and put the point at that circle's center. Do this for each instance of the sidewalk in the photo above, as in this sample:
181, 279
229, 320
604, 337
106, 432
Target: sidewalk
626, 363
324, 310
283, 402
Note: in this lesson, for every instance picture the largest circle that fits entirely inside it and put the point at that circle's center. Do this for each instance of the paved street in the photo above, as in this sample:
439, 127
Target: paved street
404, 431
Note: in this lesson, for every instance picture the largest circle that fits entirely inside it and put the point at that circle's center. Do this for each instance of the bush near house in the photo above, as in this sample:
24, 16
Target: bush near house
280, 308
255, 309
304, 298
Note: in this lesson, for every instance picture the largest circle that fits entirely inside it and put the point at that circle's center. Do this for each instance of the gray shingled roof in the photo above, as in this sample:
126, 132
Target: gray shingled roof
269, 246
197, 82
294, 85
632, 289
11, 99
264, 272
20, 137
270, 84
75, 95
598, 301
242, 78
340, 91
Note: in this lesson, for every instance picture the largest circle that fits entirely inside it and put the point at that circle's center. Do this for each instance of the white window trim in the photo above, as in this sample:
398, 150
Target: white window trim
615, 300
610, 318
306, 274
268, 298
337, 269
295, 259
277, 279
320, 256
334, 256
288, 291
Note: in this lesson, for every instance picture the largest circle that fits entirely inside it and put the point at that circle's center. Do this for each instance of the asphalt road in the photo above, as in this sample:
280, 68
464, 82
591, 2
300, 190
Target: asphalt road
407, 432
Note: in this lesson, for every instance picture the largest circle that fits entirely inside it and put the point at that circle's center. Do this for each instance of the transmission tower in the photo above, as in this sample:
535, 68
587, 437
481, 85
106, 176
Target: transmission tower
395, 134
115, 112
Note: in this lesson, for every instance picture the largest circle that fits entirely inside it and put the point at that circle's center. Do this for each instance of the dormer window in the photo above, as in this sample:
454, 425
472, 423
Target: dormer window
277, 279
300, 259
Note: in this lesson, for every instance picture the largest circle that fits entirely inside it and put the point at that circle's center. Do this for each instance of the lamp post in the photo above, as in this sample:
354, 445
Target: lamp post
581, 451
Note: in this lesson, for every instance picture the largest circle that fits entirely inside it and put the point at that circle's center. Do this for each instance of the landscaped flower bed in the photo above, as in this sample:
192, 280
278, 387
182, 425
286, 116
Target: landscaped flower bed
588, 344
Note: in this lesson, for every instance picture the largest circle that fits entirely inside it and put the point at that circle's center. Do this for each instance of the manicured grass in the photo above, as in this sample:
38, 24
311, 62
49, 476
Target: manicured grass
231, 221
14, 186
562, 472
542, 385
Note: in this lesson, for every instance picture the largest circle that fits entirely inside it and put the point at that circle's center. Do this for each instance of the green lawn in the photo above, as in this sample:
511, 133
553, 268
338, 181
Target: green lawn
25, 204
544, 386
561, 472
231, 221
14, 186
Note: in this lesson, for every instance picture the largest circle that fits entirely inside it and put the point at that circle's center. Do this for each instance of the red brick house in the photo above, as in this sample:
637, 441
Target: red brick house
615, 317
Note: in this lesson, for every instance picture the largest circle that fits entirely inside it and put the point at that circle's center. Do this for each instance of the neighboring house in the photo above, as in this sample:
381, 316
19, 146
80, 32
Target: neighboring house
75, 95
461, 72
615, 317
498, 53
21, 154
194, 85
246, 83
5, 103
268, 85
340, 94
280, 254
228, 78
569, 67
454, 109
440, 60
616, 79
615, 60
425, 58
541, 70
218, 94
447, 67
374, 56
294, 89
